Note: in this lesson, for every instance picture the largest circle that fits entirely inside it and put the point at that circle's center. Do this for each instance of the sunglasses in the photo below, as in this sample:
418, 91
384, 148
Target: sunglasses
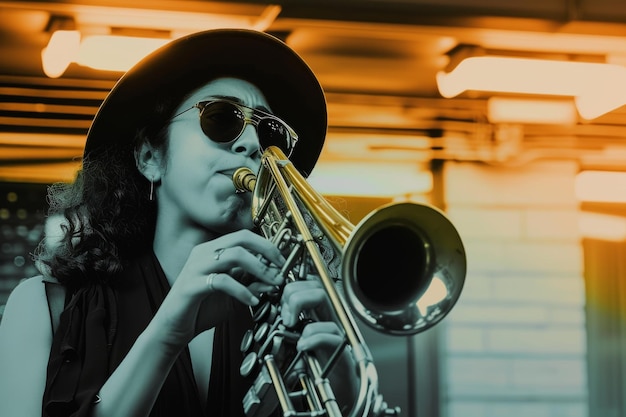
224, 121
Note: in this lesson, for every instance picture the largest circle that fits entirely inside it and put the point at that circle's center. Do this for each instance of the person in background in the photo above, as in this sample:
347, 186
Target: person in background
155, 252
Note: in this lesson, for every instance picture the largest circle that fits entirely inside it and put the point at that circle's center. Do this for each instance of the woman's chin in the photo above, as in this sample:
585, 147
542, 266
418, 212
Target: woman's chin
238, 214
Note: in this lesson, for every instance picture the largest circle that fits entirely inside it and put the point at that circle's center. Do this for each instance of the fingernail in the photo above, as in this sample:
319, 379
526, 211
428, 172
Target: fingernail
254, 300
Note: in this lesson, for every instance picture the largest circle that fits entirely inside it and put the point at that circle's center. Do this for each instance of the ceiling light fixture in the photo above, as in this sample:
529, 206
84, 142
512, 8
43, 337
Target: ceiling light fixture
93, 43
61, 51
115, 53
596, 87
102, 52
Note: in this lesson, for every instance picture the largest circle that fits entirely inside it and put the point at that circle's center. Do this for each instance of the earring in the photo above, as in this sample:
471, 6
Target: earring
151, 188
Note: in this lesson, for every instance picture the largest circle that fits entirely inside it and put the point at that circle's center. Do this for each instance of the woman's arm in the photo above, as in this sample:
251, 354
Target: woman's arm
134, 386
193, 304
25, 342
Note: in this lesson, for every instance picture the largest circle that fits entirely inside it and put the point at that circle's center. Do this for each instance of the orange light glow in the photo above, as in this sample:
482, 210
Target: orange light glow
601, 186
602, 226
592, 84
115, 53
104, 52
60, 52
509, 110
371, 180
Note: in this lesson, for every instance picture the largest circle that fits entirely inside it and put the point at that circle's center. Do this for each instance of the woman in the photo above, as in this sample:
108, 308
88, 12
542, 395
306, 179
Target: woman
158, 256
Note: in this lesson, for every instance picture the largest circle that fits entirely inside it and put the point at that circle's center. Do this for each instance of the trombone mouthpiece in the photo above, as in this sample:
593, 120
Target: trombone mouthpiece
244, 180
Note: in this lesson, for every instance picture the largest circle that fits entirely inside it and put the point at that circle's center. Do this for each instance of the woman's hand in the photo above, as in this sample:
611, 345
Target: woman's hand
322, 337
309, 295
202, 294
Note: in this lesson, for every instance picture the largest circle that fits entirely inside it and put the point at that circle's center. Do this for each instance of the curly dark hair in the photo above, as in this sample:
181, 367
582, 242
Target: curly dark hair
109, 217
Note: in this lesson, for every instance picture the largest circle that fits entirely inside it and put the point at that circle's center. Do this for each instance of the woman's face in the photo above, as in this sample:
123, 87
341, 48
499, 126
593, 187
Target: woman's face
196, 187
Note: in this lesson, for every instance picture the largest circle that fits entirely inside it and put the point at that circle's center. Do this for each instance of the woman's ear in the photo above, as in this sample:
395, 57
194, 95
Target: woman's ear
149, 161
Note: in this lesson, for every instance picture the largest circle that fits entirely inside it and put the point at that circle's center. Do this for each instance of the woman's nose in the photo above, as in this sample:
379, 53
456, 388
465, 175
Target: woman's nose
248, 142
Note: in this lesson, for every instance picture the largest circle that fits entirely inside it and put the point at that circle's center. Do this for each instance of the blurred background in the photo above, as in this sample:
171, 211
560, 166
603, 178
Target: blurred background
509, 116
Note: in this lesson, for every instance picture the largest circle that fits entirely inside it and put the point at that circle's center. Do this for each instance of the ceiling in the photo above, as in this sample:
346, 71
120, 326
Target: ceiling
375, 59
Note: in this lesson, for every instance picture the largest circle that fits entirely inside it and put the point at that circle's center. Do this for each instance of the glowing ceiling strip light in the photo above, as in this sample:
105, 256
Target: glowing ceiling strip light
115, 53
595, 86
104, 52
94, 47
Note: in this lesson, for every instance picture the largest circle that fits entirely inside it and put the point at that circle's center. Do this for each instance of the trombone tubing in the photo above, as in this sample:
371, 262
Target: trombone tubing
346, 322
360, 352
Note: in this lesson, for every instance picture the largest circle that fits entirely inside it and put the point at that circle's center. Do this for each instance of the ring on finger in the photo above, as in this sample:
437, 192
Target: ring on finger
218, 253
209, 280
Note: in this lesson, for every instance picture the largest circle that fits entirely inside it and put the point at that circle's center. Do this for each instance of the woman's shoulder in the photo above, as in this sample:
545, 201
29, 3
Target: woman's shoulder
25, 341
30, 288
28, 303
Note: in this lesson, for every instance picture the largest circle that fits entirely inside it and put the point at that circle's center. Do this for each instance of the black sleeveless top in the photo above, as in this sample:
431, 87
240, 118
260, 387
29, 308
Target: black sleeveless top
98, 328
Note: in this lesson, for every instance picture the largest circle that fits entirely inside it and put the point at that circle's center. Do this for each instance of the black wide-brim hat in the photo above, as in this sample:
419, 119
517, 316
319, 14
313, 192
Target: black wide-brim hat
173, 71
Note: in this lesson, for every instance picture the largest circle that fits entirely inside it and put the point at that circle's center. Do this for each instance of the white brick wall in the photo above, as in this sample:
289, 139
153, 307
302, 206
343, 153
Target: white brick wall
515, 342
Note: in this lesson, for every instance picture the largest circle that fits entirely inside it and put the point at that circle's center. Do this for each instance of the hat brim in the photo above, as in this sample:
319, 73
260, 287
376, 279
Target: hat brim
290, 87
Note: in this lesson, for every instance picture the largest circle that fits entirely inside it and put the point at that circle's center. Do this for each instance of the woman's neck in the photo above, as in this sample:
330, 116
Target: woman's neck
173, 244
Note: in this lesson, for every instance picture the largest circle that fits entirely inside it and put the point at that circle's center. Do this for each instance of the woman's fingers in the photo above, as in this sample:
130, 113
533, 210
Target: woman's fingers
244, 253
252, 242
319, 335
240, 257
213, 275
297, 287
259, 288
226, 283
298, 296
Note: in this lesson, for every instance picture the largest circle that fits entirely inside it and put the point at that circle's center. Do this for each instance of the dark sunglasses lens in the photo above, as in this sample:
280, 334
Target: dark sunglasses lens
274, 133
221, 121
